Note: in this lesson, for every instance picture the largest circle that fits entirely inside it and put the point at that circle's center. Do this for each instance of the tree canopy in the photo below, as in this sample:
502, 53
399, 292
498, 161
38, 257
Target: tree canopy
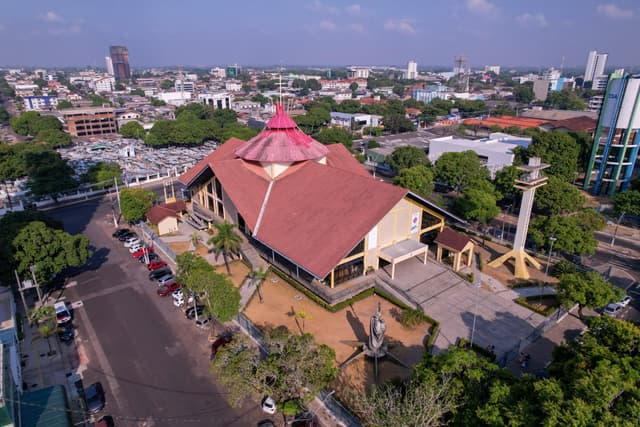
418, 179
335, 135
54, 138
460, 170
103, 173
558, 197
31, 123
135, 202
504, 180
132, 129
627, 202
565, 99
560, 150
406, 157
587, 290
572, 236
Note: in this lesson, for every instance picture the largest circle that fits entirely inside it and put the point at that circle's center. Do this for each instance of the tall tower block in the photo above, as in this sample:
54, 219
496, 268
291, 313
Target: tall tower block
528, 184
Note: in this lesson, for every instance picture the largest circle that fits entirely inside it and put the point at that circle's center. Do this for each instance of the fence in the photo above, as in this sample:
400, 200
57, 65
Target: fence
156, 241
550, 321
339, 412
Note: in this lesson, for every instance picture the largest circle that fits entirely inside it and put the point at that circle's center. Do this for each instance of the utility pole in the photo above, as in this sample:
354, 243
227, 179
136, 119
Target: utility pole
21, 290
33, 269
615, 231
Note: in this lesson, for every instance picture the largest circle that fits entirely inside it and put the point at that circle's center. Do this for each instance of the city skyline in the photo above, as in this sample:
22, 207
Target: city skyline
317, 32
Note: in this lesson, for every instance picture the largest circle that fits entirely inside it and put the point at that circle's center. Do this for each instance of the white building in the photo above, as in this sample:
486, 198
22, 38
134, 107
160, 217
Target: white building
40, 103
412, 70
600, 82
493, 69
218, 73
596, 62
103, 84
495, 152
233, 86
359, 72
595, 103
109, 62
175, 98
240, 106
218, 100
184, 85
25, 90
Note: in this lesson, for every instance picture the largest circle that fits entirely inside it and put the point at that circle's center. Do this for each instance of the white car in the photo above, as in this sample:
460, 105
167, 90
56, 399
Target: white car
63, 314
624, 301
132, 241
136, 247
269, 405
612, 310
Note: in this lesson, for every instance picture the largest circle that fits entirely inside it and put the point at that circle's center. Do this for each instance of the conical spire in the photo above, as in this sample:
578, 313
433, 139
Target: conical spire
281, 141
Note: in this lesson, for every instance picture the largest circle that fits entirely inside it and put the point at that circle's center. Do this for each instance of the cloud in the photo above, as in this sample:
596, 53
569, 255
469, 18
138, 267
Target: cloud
318, 6
482, 7
327, 25
532, 20
51, 17
353, 9
612, 11
404, 26
356, 28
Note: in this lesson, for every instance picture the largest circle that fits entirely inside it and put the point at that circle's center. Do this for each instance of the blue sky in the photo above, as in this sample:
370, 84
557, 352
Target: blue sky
253, 32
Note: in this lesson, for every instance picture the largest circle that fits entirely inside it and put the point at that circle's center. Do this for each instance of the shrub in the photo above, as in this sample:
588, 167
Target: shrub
412, 317
563, 267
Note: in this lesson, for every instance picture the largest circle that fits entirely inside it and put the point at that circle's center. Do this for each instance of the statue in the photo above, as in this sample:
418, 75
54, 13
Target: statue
375, 347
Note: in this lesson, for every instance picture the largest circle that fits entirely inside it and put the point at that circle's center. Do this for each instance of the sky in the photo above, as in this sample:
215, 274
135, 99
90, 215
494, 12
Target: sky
319, 32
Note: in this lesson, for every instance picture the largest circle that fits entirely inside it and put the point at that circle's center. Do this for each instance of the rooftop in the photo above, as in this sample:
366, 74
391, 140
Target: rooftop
506, 121
452, 239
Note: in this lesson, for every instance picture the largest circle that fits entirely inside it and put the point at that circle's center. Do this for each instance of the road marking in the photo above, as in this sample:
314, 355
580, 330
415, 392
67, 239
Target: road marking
106, 291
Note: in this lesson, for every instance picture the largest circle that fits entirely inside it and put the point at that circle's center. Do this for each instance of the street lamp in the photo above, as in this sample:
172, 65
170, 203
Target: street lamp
477, 284
615, 231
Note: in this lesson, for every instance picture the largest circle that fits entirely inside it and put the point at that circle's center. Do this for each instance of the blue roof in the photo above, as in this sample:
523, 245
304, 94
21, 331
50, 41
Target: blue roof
47, 407
344, 116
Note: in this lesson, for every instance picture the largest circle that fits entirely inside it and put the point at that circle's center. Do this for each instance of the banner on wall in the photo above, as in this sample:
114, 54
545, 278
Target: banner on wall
415, 222
372, 238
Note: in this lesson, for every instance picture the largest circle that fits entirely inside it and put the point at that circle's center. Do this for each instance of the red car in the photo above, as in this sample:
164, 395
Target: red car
140, 252
164, 290
155, 265
220, 342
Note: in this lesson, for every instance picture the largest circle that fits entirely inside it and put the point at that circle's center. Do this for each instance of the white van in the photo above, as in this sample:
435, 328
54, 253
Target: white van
63, 314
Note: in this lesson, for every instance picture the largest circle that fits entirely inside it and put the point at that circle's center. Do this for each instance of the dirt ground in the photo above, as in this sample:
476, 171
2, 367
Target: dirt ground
341, 331
180, 247
504, 273
239, 272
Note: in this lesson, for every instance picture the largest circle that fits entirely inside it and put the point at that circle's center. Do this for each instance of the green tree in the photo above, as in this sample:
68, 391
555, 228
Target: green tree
132, 129
50, 250
161, 133
167, 84
49, 174
54, 138
559, 150
103, 173
313, 84
558, 197
397, 123
504, 180
571, 236
524, 93
219, 296
135, 202
587, 290
31, 122
407, 157
565, 99
119, 86
263, 100
98, 101
158, 102
349, 106
353, 86
258, 276
627, 202
64, 104
478, 202
460, 170
418, 179
315, 118
398, 90
137, 92
335, 135
226, 241
45, 317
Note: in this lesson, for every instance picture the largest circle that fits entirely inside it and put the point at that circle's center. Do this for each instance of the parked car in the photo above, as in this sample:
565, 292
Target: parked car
164, 290
126, 236
150, 257
634, 290
612, 310
220, 342
106, 421
66, 333
624, 301
166, 279
154, 275
119, 232
269, 405
132, 241
63, 313
136, 247
156, 264
203, 322
141, 252
94, 398
190, 312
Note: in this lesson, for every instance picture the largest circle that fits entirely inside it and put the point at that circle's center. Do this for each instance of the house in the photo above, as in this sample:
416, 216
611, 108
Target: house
310, 209
165, 216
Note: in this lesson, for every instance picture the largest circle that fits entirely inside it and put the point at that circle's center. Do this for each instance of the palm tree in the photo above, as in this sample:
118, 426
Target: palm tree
194, 238
45, 317
226, 241
302, 315
257, 277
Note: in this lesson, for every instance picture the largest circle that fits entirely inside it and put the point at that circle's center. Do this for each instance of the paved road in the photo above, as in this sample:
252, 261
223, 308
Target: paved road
153, 363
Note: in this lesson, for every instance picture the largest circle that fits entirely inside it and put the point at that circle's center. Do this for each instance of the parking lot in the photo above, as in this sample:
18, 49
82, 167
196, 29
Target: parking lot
151, 360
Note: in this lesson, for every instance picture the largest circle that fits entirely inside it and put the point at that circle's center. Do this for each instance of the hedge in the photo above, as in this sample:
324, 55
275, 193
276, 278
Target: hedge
524, 301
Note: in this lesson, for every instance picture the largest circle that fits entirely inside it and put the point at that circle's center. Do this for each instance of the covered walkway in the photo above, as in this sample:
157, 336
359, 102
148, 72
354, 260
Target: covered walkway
402, 251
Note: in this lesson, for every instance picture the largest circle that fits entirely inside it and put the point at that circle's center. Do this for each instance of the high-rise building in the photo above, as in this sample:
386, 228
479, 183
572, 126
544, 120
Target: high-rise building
617, 138
412, 70
595, 65
120, 62
109, 62
359, 72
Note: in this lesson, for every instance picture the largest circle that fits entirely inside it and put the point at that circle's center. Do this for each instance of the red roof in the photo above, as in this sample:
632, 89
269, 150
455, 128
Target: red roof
507, 121
318, 214
340, 158
452, 239
281, 141
576, 124
159, 212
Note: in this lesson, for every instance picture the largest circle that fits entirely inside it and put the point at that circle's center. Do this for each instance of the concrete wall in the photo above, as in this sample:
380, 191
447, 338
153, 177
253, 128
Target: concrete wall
168, 225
